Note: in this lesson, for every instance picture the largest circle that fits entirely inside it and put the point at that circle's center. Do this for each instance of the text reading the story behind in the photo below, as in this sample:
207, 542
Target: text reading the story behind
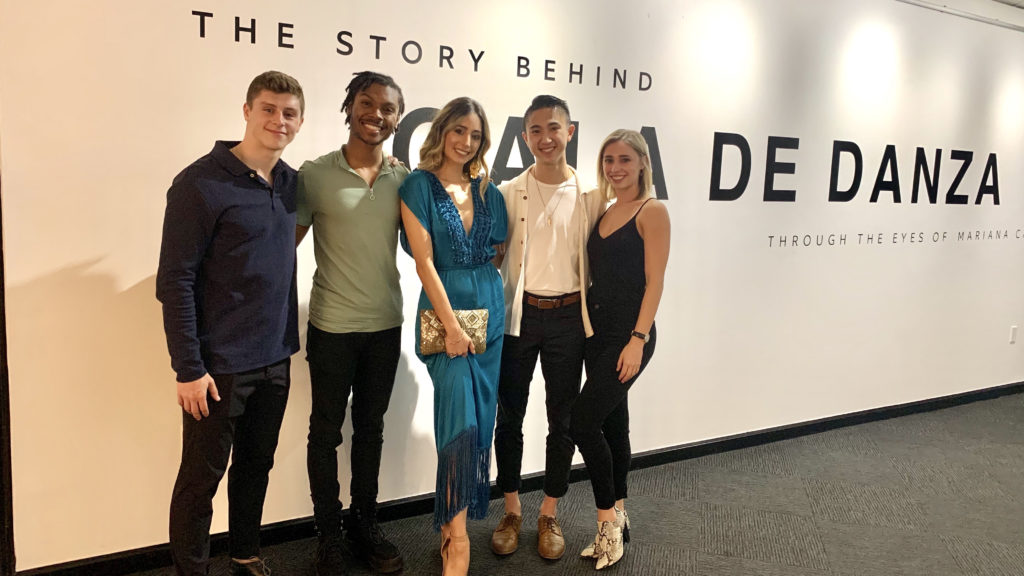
413, 52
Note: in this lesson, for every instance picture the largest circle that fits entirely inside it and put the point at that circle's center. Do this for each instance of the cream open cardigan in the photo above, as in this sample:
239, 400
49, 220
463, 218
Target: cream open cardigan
516, 195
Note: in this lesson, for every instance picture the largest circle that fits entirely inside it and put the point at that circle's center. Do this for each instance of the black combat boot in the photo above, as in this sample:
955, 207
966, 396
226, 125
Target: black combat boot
329, 560
368, 543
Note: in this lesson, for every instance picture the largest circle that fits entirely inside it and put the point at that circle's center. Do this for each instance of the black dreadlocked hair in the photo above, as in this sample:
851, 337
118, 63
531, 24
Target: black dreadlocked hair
364, 80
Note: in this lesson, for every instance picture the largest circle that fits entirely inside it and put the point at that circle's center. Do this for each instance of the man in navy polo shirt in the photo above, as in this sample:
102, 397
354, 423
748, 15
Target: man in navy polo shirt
227, 284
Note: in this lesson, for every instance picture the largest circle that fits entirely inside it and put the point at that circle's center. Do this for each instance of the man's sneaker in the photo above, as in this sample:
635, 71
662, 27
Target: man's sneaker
254, 566
368, 543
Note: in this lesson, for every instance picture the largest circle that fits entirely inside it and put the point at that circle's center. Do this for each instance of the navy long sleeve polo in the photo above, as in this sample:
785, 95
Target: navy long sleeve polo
226, 277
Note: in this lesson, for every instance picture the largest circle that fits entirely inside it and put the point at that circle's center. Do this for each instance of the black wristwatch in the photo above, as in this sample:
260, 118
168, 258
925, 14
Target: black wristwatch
645, 337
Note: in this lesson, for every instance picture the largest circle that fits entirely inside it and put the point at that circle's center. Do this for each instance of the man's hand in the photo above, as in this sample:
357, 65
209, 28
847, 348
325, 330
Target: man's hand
192, 396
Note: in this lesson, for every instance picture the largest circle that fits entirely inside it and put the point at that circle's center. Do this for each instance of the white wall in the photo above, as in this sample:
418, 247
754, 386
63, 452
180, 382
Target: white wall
103, 103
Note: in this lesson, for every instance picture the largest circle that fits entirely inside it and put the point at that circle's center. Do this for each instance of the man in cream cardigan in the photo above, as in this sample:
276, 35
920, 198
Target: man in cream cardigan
544, 270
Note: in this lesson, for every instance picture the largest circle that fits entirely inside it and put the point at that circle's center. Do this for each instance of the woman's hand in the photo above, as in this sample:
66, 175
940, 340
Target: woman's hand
629, 359
458, 343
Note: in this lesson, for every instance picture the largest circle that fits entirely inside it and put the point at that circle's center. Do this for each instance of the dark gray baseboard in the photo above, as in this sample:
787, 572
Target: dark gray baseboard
140, 559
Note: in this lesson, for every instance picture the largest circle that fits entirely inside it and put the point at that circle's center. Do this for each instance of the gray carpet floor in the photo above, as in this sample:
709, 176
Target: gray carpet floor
932, 494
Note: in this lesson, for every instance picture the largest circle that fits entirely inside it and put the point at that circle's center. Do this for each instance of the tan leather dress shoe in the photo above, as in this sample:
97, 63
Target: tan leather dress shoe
505, 539
550, 542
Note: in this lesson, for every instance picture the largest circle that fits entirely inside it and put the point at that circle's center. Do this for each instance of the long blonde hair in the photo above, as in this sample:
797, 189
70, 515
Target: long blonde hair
432, 151
635, 141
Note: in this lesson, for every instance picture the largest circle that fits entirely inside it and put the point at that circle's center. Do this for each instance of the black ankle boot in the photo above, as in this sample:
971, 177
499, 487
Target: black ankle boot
368, 543
329, 560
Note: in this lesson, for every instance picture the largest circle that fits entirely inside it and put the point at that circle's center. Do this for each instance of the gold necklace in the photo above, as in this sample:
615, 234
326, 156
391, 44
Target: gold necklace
547, 215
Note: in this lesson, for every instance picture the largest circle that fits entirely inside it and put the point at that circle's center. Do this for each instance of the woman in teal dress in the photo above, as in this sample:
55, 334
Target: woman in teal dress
452, 219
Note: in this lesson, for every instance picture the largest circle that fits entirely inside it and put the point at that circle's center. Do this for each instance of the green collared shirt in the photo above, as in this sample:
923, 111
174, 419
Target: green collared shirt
355, 235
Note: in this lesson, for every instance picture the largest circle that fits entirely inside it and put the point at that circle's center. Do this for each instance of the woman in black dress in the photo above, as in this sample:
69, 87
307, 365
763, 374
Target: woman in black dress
628, 251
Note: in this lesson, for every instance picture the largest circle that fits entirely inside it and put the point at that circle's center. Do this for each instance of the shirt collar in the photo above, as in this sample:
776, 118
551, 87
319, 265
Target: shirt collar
523, 179
222, 154
385, 166
226, 158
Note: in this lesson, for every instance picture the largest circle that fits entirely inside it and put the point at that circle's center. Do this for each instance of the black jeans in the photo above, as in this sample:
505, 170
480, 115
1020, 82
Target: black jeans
600, 419
557, 336
247, 419
363, 364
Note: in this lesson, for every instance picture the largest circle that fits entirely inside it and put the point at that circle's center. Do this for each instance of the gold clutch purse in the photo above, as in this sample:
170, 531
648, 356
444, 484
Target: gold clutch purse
474, 322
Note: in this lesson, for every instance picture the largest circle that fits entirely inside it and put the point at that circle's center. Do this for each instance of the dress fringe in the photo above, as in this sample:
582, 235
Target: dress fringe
463, 479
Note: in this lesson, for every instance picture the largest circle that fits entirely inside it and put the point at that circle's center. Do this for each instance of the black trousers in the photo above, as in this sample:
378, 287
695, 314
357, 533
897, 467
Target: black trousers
557, 336
600, 418
245, 425
362, 364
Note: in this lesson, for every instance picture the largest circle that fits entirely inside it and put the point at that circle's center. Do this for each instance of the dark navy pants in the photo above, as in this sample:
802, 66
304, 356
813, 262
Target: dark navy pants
246, 422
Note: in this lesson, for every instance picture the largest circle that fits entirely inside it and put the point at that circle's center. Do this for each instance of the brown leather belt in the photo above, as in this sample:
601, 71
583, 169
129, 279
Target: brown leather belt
550, 303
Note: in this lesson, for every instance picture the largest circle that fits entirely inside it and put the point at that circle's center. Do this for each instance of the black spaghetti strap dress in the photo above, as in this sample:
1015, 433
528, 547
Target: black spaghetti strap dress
600, 420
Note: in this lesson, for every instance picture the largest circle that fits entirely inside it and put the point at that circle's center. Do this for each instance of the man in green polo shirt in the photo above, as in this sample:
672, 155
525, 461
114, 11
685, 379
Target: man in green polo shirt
350, 198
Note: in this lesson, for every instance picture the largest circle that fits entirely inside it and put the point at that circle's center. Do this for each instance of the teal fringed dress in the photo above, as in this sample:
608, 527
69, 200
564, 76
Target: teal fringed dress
465, 388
